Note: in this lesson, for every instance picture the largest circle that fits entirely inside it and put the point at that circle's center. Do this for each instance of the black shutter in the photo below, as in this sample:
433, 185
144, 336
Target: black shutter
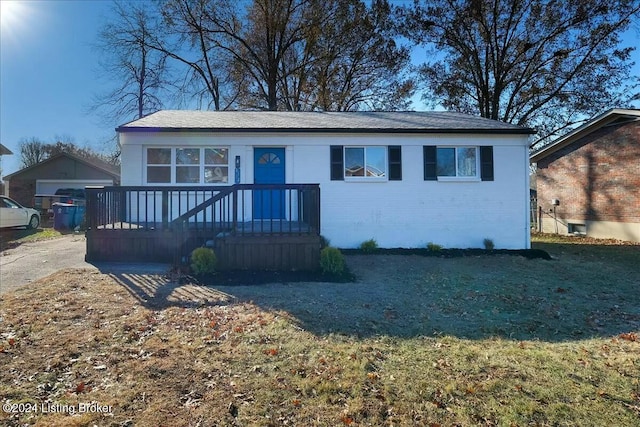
486, 163
430, 162
395, 163
337, 163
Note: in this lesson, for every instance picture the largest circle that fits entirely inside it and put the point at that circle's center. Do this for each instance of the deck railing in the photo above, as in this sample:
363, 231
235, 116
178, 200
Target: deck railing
192, 216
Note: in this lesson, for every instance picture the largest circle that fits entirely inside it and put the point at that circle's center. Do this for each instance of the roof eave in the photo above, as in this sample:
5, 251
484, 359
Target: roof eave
4, 151
503, 131
581, 131
114, 174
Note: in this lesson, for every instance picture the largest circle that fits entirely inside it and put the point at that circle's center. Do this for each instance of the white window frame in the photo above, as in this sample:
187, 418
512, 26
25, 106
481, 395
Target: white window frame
366, 178
173, 165
170, 165
458, 177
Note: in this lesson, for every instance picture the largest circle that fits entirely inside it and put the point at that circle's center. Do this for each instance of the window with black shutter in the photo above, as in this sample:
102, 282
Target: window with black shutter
430, 163
486, 163
457, 163
337, 163
395, 163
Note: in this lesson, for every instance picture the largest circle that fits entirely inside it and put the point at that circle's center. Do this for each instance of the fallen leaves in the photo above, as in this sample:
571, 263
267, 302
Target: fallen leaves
346, 420
629, 336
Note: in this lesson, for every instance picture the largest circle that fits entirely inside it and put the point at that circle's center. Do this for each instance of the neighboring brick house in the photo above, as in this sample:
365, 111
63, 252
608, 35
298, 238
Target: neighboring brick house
62, 170
588, 181
3, 152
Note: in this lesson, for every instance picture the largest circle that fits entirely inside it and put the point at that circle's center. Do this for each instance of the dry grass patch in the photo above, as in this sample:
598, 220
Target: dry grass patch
10, 238
159, 353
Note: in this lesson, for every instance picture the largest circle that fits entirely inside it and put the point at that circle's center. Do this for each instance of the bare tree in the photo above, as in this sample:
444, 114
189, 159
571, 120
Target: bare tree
32, 151
188, 41
258, 41
139, 71
359, 64
258, 54
530, 62
332, 55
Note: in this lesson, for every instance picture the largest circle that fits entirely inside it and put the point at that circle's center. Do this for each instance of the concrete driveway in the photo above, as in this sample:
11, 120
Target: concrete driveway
35, 260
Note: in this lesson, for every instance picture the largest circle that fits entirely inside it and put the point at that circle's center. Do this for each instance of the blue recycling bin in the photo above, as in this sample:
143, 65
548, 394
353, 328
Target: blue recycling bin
78, 217
63, 216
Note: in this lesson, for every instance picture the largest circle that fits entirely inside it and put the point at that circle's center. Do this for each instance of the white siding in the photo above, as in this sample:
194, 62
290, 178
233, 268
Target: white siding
407, 213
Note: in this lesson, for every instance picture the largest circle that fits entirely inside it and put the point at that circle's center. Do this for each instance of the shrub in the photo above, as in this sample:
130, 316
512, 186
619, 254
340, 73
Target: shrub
488, 244
369, 246
332, 261
203, 261
433, 247
324, 242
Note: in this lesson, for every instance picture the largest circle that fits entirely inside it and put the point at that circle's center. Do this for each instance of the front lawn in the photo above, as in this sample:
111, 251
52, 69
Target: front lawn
479, 340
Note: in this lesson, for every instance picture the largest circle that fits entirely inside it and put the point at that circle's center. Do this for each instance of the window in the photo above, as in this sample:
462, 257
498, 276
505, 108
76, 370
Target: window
187, 165
458, 162
159, 165
366, 163
216, 165
578, 229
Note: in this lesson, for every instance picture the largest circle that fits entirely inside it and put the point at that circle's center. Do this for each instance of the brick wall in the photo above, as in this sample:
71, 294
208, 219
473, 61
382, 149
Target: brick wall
22, 191
596, 178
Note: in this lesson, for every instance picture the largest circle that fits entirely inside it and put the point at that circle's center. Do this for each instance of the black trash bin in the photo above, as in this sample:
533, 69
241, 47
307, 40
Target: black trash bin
63, 215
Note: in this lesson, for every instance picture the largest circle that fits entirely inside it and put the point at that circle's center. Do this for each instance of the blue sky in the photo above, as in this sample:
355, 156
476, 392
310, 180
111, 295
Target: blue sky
48, 73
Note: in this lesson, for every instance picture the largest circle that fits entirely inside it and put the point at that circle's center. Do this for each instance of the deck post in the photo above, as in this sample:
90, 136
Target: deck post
317, 208
234, 221
165, 209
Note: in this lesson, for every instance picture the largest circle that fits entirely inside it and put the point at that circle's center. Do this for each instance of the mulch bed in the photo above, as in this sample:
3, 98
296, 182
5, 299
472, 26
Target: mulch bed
253, 277
455, 253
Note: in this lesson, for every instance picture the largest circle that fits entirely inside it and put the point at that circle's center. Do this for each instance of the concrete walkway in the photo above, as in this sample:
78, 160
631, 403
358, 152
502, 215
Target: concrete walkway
34, 260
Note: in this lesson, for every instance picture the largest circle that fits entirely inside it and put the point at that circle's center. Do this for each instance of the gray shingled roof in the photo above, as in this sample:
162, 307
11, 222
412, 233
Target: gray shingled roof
402, 122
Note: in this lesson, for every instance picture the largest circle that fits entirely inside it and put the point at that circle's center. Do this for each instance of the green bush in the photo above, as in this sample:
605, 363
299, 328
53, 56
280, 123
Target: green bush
324, 242
369, 246
203, 261
433, 247
332, 261
488, 244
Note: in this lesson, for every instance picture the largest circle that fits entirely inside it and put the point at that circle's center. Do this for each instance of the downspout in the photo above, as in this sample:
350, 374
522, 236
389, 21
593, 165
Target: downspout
527, 191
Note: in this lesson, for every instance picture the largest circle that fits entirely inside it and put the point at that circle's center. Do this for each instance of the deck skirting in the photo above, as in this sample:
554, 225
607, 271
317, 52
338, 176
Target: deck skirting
251, 252
282, 252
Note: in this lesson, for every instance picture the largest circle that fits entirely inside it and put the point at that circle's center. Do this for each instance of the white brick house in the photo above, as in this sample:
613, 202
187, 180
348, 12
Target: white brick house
402, 178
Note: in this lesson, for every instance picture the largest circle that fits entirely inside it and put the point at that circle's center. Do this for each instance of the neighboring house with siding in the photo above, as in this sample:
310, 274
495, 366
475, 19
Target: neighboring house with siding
588, 181
62, 170
402, 178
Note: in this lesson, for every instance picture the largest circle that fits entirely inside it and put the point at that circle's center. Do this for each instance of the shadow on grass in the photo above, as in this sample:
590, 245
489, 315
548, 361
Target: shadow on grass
473, 297
157, 290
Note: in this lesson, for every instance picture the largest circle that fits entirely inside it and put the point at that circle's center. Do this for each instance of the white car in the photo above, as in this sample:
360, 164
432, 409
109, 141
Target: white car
13, 214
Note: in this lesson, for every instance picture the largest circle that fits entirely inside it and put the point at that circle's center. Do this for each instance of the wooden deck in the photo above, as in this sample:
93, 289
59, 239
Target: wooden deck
120, 230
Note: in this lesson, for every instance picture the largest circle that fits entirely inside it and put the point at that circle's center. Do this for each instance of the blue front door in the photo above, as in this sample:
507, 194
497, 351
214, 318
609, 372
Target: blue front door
268, 168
